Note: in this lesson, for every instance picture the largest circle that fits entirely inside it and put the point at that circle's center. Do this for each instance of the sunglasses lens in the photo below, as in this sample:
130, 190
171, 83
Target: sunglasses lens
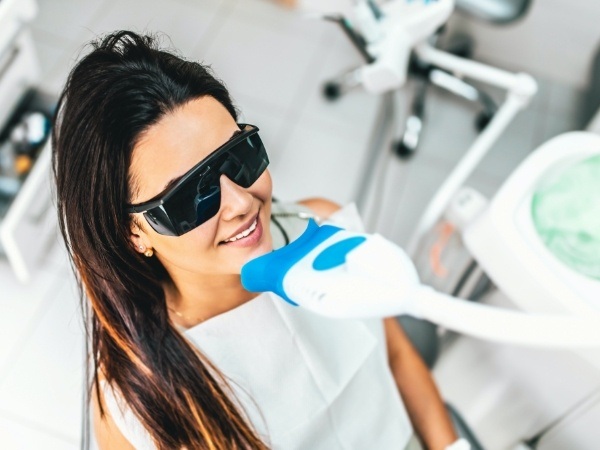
207, 204
246, 162
196, 201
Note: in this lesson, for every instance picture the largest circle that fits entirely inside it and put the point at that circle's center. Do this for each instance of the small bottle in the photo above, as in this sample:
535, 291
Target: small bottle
9, 180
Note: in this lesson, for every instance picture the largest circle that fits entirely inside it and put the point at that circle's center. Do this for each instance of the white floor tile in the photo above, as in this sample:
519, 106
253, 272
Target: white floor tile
318, 161
422, 180
44, 383
274, 128
449, 132
579, 431
67, 18
50, 51
356, 110
509, 393
283, 21
185, 24
260, 62
57, 57
513, 146
21, 307
556, 123
15, 435
566, 99
448, 127
384, 193
485, 184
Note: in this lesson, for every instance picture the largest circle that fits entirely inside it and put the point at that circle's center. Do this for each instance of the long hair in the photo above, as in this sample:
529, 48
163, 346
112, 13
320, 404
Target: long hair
123, 86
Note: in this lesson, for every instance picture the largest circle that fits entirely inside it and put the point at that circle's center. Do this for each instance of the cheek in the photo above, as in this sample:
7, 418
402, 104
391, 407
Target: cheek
263, 186
192, 251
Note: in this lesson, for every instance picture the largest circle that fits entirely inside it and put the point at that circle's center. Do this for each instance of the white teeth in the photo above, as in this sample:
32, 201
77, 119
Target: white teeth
244, 233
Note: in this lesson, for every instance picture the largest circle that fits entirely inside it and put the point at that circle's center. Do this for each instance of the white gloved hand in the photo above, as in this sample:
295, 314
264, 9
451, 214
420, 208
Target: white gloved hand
461, 444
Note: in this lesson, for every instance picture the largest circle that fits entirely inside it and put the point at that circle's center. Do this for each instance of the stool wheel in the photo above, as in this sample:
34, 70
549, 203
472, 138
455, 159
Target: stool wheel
332, 91
482, 120
402, 150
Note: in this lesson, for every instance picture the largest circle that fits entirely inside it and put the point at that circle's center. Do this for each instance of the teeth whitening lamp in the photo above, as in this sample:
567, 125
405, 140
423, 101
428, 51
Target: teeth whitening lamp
343, 274
538, 239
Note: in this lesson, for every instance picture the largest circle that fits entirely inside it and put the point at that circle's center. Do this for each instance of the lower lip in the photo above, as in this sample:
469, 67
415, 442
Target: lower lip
250, 240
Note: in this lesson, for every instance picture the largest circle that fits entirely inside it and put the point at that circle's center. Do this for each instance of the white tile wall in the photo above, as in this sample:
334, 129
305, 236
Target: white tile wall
274, 63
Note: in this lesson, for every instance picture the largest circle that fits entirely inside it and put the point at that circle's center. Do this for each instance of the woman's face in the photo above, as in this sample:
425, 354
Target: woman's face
169, 149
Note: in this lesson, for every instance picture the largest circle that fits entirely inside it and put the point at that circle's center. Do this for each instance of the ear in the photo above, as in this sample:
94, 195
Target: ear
138, 237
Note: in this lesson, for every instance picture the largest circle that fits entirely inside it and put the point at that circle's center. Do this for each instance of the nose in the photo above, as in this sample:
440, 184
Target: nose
235, 200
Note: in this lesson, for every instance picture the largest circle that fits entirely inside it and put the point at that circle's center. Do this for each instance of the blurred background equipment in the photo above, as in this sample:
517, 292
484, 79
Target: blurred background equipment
25, 200
366, 40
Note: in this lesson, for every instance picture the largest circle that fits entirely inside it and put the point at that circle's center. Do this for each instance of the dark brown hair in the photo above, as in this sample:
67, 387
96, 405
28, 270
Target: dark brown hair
123, 86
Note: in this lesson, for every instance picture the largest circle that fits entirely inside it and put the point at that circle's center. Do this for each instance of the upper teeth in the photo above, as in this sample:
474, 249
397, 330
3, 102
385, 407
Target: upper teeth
244, 233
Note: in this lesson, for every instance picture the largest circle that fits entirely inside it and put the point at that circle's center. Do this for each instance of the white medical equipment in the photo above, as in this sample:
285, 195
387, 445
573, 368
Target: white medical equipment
518, 263
346, 274
400, 27
499, 236
388, 33
391, 33
503, 237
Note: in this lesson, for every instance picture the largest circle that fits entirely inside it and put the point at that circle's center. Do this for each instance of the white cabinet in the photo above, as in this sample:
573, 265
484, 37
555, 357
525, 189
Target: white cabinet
28, 227
27, 218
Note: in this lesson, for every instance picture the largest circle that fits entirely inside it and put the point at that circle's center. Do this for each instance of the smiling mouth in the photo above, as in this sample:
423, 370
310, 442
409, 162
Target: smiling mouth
247, 232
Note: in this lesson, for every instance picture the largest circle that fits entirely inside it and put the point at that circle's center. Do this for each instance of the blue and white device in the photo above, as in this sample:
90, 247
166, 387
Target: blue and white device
338, 273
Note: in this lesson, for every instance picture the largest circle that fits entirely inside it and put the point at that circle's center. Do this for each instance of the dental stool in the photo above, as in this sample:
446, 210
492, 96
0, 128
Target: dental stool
493, 11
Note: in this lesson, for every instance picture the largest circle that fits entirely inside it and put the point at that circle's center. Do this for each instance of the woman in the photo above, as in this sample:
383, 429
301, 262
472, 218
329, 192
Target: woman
162, 198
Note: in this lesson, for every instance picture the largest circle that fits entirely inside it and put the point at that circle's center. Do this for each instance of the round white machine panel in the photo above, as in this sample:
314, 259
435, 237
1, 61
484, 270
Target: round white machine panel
505, 243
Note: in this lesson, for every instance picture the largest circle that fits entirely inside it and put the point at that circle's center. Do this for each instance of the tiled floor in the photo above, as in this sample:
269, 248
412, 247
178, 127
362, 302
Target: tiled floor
274, 63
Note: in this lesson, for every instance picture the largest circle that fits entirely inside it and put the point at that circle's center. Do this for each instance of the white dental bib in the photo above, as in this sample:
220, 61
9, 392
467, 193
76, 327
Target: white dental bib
305, 381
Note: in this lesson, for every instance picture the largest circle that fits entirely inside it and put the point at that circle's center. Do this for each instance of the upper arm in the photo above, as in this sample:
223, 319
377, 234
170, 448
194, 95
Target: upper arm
108, 435
321, 206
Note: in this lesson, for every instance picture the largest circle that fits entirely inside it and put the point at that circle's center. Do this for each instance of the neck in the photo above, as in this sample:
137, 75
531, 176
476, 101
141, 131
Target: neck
198, 299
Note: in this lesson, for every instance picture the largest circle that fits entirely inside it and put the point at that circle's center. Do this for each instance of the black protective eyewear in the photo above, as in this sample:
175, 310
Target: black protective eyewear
196, 196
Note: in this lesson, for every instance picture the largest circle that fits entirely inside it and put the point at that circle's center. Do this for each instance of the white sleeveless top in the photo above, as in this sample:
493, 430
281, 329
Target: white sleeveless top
305, 381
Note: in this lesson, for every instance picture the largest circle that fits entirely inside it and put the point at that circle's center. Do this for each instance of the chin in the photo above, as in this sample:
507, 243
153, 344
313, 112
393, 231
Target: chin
265, 247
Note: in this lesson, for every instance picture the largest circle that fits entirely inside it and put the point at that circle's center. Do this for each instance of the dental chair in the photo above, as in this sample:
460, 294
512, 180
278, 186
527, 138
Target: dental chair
500, 12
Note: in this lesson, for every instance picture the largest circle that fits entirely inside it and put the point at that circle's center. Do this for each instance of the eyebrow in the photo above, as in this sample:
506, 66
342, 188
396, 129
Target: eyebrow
176, 179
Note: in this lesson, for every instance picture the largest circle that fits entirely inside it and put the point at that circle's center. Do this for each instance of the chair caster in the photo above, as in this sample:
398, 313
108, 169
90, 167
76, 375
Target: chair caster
482, 120
407, 145
332, 91
461, 45
402, 150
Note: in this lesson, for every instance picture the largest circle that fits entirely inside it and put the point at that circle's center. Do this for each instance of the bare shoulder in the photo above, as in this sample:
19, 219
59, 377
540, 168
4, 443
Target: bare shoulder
321, 206
108, 435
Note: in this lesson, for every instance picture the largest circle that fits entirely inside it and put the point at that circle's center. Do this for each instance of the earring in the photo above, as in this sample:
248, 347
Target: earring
148, 253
